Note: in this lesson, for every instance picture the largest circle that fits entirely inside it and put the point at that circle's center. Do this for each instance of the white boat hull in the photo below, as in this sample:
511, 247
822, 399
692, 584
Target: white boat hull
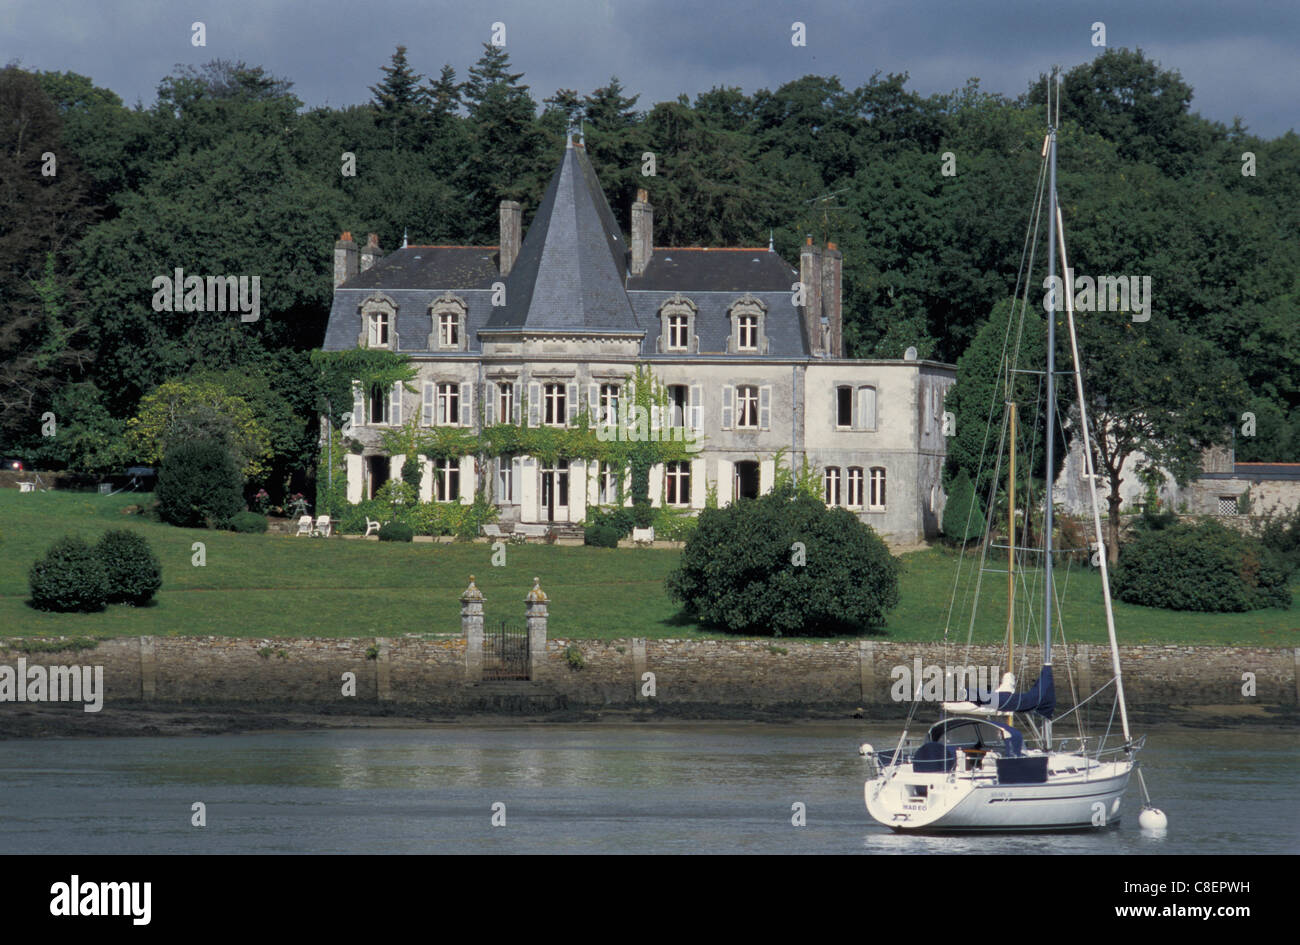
1086, 798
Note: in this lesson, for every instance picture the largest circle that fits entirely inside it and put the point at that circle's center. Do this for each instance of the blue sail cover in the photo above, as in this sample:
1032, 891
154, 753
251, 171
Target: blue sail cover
1041, 698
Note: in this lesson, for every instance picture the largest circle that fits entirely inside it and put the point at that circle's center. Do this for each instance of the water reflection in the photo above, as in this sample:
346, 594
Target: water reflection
597, 789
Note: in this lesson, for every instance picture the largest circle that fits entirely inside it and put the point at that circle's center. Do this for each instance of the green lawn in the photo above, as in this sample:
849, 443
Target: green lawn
265, 586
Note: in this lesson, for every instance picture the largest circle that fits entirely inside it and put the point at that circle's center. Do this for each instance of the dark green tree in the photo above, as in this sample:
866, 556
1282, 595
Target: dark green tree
742, 571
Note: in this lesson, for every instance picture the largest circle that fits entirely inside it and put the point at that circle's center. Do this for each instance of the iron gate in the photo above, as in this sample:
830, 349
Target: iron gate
505, 652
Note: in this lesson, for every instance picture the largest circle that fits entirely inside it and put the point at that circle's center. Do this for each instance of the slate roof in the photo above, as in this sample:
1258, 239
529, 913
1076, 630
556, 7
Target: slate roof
571, 266
430, 267
572, 275
697, 269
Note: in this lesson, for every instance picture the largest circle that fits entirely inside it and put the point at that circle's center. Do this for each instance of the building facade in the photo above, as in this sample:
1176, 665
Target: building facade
541, 328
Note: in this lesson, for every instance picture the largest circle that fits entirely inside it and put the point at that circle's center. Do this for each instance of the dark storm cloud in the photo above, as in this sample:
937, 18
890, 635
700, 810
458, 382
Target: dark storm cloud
1240, 58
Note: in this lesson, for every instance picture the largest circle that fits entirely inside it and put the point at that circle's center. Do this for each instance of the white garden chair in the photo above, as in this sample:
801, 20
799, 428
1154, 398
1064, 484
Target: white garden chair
304, 525
372, 527
322, 526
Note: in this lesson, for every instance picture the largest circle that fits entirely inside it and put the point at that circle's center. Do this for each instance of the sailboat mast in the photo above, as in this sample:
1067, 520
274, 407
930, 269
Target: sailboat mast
1048, 512
1011, 544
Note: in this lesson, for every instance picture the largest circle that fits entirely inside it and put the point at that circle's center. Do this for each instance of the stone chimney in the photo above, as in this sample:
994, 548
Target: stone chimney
511, 224
832, 260
370, 253
643, 225
345, 259
810, 275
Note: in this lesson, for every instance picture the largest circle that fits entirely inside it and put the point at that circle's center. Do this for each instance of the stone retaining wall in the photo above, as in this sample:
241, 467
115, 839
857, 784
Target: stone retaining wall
440, 671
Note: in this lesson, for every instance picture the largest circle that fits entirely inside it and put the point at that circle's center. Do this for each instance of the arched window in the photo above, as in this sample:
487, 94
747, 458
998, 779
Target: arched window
877, 494
447, 314
831, 483
855, 487
378, 323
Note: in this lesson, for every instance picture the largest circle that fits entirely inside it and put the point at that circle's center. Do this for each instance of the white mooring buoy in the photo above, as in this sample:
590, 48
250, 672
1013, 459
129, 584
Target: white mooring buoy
1153, 818
865, 749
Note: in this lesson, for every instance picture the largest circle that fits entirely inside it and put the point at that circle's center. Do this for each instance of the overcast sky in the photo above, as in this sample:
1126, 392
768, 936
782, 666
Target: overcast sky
1241, 58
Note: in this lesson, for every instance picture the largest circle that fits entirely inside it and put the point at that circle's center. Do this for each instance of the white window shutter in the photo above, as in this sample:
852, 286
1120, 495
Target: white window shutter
765, 408
395, 408
697, 408
593, 402
466, 405
534, 405
655, 411
866, 408
516, 403
728, 395
571, 404
489, 408
358, 405
426, 408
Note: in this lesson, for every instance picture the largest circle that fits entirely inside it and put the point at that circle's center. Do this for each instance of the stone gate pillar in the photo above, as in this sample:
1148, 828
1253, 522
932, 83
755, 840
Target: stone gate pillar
535, 608
471, 624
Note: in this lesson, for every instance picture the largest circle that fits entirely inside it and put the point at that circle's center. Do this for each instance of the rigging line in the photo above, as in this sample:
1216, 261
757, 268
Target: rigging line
1106, 685
1027, 254
984, 546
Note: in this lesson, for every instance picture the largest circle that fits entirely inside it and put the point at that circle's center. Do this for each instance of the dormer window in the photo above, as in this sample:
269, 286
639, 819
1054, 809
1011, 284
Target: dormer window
448, 330
378, 330
448, 314
378, 323
748, 326
677, 326
678, 333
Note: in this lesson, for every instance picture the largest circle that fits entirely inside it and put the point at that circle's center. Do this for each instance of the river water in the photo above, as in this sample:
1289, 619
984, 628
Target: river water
606, 788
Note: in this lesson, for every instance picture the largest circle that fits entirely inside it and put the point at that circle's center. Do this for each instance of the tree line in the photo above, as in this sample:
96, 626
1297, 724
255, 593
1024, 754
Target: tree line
927, 197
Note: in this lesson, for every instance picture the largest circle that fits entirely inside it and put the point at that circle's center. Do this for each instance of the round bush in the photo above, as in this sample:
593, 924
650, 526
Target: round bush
249, 523
131, 569
199, 485
601, 536
1203, 567
70, 578
785, 565
618, 518
395, 531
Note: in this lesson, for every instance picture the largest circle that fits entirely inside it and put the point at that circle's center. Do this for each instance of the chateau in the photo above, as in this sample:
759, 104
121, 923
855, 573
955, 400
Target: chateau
535, 330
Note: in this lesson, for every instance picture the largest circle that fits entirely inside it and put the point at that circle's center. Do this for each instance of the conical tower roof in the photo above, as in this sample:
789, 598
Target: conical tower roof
571, 267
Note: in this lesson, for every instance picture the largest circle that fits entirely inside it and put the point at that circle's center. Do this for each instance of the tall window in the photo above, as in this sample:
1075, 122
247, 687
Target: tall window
831, 481
505, 480
877, 488
379, 406
609, 403
378, 330
855, 486
505, 402
748, 328
678, 490
677, 399
747, 406
553, 405
448, 405
446, 480
448, 330
607, 484
844, 406
678, 328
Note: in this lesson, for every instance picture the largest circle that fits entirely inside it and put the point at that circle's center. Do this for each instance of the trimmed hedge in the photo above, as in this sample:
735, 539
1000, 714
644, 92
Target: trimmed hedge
601, 536
69, 579
248, 523
785, 564
199, 485
396, 531
131, 569
1204, 567
963, 513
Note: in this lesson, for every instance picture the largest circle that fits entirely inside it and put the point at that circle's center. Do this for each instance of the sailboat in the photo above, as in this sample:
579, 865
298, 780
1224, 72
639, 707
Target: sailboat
975, 770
